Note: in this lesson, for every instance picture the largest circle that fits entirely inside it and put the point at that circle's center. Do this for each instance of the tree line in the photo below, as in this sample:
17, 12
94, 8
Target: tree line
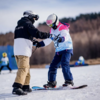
85, 33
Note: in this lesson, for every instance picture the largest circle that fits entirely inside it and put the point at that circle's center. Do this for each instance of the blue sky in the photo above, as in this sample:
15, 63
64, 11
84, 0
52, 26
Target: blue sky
12, 10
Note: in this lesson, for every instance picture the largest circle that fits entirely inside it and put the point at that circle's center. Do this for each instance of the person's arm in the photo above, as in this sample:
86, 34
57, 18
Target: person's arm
42, 43
36, 33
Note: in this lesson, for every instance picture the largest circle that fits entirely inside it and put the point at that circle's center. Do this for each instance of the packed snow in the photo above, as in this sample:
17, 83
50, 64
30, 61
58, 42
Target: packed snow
89, 75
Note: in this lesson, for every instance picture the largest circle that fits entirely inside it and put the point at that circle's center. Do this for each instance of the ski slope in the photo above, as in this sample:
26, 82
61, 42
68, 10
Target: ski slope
89, 75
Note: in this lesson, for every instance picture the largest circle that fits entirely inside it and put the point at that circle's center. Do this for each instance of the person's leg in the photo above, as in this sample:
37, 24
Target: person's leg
27, 80
26, 86
53, 68
1, 68
23, 68
9, 67
65, 66
52, 72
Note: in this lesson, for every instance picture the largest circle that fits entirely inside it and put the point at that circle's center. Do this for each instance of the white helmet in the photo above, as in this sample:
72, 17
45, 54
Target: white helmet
30, 14
81, 58
52, 21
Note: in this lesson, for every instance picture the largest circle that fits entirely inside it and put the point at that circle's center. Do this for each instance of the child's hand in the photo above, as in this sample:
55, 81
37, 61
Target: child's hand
59, 39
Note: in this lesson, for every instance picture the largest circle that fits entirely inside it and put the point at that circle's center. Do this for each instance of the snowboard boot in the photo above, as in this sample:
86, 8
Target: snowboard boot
50, 85
68, 83
18, 91
26, 88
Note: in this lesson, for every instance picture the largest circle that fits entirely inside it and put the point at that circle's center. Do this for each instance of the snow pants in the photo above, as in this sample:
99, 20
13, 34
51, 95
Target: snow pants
23, 73
63, 59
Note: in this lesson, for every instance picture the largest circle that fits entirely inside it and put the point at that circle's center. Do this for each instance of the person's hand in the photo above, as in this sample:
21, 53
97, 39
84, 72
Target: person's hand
37, 44
59, 39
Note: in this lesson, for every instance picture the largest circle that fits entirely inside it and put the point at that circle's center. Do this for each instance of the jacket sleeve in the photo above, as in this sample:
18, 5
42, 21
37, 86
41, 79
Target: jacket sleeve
65, 35
47, 41
36, 33
42, 43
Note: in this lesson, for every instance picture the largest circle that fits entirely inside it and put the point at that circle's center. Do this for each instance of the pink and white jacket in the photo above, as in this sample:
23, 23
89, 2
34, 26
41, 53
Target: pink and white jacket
63, 30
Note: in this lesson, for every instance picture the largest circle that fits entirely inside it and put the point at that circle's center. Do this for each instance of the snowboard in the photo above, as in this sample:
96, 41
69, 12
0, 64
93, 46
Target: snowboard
34, 88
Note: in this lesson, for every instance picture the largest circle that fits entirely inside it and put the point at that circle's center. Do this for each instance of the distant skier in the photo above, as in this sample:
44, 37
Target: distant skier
24, 34
80, 61
63, 51
5, 62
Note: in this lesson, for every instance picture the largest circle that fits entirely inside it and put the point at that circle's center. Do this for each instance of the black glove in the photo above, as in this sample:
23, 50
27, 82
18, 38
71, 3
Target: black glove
37, 44
59, 39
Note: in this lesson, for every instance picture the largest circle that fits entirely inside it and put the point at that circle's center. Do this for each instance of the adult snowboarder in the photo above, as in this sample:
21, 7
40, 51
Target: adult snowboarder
5, 62
64, 50
24, 34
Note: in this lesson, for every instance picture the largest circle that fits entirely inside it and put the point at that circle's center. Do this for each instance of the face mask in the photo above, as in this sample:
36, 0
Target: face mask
32, 20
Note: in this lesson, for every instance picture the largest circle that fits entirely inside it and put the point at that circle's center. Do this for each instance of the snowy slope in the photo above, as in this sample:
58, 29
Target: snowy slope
82, 75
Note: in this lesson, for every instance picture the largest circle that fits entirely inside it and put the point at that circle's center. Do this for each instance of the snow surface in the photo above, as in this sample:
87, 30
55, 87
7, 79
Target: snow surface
89, 75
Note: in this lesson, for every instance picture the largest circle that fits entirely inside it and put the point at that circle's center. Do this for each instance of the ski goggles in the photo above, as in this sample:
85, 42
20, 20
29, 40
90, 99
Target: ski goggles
51, 25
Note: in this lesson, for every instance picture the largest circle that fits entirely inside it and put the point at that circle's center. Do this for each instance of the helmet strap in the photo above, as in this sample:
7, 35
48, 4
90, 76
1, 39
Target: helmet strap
54, 27
54, 24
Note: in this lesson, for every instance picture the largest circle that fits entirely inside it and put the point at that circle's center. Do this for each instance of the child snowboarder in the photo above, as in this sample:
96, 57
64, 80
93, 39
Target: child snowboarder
63, 51
5, 62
